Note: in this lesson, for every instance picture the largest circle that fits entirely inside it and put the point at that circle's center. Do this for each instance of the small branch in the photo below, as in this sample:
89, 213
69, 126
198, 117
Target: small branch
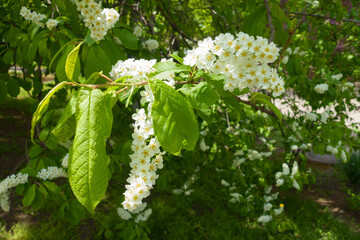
322, 16
186, 82
256, 107
174, 26
106, 77
268, 12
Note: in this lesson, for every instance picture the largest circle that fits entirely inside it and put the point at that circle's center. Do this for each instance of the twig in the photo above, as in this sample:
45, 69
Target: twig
272, 36
256, 107
322, 16
106, 77
174, 26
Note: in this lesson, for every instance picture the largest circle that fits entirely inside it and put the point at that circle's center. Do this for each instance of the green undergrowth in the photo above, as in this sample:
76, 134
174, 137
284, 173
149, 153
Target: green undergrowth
201, 216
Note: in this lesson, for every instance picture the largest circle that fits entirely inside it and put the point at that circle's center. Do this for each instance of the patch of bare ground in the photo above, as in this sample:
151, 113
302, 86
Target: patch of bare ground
329, 192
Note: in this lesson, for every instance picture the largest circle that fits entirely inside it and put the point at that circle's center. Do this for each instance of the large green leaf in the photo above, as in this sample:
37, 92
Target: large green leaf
96, 60
88, 162
128, 39
255, 22
70, 64
65, 127
175, 124
43, 105
202, 96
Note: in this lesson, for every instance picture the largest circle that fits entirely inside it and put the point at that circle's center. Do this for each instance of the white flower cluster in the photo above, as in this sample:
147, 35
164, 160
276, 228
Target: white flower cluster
266, 216
51, 173
289, 52
64, 161
33, 16
6, 184
285, 175
141, 217
98, 20
243, 60
321, 88
311, 116
203, 146
132, 67
137, 31
51, 23
185, 189
335, 150
13, 181
4, 202
145, 160
151, 44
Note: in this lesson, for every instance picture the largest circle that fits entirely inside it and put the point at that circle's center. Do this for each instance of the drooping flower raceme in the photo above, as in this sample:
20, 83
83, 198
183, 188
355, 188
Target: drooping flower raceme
243, 60
6, 184
33, 16
13, 181
51, 23
145, 160
98, 20
51, 173
137, 31
321, 88
151, 44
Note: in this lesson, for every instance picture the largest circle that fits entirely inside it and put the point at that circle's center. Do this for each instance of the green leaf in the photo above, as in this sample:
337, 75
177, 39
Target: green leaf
38, 201
175, 124
58, 52
13, 87
29, 196
88, 162
128, 39
218, 83
255, 22
71, 62
3, 90
177, 58
34, 45
35, 150
65, 127
60, 66
60, 4
52, 187
165, 69
43, 105
202, 96
96, 60
30, 171
8, 57
259, 97
113, 51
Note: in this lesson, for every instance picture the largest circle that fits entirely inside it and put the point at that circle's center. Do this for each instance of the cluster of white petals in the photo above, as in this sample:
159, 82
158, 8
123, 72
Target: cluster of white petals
51, 23
6, 184
321, 88
4, 202
51, 173
33, 16
132, 67
286, 175
243, 60
98, 20
311, 116
64, 161
13, 181
145, 160
137, 31
151, 44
